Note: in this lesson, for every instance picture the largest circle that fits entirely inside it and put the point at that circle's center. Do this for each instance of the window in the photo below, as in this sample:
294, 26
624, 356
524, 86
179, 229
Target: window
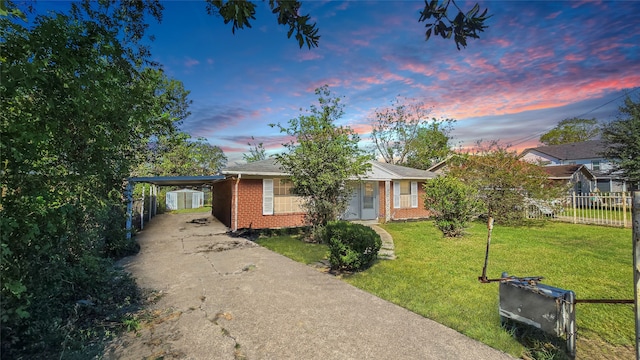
405, 194
595, 165
278, 198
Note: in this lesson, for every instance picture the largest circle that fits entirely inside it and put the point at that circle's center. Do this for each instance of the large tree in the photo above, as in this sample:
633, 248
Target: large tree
502, 179
571, 131
622, 138
257, 152
322, 158
403, 134
76, 114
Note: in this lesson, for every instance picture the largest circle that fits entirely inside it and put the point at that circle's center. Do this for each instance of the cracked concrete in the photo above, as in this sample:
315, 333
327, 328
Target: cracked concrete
246, 302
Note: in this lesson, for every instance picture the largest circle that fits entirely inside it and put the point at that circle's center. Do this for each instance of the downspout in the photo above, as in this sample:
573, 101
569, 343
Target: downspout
235, 210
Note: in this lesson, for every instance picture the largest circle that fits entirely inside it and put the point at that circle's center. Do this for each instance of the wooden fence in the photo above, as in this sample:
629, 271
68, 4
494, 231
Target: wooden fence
598, 208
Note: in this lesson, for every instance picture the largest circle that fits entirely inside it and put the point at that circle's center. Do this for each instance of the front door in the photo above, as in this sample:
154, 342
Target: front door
368, 200
353, 211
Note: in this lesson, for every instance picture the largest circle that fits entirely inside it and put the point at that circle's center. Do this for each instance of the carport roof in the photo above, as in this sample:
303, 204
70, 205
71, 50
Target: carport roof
178, 180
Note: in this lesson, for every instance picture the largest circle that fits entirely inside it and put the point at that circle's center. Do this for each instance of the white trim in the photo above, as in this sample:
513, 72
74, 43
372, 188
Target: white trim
414, 194
396, 194
267, 196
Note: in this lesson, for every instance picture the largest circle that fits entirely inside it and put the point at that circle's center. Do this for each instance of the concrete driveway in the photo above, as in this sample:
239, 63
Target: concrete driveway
227, 298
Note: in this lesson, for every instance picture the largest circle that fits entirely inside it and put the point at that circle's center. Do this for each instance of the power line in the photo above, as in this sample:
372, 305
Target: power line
530, 137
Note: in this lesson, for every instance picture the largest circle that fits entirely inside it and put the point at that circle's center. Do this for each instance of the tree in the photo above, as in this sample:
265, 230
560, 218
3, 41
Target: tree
452, 203
257, 152
127, 19
76, 114
402, 134
431, 145
570, 131
503, 181
191, 158
464, 25
322, 158
622, 139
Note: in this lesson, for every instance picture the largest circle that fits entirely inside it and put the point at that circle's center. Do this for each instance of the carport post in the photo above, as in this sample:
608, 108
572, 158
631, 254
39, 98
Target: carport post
144, 188
636, 264
128, 193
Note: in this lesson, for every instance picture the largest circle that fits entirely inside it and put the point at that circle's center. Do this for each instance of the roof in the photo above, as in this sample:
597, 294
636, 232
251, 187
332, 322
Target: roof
559, 172
177, 180
591, 149
403, 172
379, 171
267, 167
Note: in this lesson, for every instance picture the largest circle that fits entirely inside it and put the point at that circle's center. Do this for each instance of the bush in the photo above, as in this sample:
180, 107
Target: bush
452, 203
351, 246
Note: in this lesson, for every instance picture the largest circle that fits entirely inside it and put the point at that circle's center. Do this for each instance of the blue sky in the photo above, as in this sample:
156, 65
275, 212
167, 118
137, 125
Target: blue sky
538, 62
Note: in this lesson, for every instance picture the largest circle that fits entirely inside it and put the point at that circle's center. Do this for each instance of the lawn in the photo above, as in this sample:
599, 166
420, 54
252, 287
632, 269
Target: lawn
292, 247
437, 278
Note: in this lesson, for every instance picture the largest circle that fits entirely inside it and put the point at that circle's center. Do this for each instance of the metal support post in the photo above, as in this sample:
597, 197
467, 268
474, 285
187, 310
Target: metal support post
144, 188
128, 193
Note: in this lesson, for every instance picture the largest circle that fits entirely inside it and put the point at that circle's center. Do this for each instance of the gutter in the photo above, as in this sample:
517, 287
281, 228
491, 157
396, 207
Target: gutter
235, 210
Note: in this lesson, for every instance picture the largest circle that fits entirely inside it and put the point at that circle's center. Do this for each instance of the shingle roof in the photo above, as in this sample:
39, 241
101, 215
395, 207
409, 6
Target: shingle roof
566, 171
406, 172
591, 149
263, 167
270, 167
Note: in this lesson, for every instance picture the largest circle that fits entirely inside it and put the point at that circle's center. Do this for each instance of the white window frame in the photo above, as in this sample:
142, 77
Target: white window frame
267, 196
396, 194
413, 194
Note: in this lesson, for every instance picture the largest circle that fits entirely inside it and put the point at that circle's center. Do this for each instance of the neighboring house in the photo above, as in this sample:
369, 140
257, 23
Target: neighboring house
587, 153
258, 195
582, 181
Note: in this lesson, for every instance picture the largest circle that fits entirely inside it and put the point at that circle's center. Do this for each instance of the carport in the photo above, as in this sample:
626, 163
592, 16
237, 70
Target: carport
155, 183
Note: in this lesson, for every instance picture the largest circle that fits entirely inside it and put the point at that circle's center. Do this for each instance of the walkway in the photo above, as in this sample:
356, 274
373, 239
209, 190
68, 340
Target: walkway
227, 298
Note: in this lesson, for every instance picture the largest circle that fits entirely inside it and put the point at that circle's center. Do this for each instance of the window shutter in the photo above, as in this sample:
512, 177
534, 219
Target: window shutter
396, 194
414, 194
267, 196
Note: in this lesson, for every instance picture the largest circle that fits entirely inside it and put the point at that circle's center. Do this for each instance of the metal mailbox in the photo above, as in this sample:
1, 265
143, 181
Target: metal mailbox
545, 307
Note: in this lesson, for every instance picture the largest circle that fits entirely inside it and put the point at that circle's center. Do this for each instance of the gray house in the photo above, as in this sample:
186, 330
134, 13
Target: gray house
587, 153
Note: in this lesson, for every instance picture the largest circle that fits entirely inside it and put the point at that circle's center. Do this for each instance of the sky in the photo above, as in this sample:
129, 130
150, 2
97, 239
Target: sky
539, 62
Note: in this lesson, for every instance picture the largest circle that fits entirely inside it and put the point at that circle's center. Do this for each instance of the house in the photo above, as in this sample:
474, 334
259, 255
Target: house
587, 153
258, 195
579, 176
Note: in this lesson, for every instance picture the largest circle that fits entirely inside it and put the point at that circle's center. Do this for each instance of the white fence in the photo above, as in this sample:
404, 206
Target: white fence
610, 209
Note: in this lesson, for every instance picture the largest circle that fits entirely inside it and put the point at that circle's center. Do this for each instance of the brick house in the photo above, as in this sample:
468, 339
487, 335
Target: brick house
258, 195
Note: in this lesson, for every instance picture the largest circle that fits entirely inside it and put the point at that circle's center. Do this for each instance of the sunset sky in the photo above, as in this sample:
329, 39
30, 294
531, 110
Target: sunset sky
538, 62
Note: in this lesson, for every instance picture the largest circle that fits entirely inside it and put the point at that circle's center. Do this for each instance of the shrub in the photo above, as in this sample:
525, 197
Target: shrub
351, 246
452, 203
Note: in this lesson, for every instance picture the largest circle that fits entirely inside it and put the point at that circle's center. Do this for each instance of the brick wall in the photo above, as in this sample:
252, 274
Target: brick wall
410, 213
250, 209
250, 206
381, 202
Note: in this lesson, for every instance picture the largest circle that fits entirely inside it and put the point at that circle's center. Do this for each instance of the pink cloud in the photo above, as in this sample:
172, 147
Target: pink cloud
554, 15
189, 62
574, 57
309, 55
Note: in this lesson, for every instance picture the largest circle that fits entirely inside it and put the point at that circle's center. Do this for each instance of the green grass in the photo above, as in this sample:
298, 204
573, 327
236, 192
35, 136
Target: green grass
204, 209
437, 278
293, 248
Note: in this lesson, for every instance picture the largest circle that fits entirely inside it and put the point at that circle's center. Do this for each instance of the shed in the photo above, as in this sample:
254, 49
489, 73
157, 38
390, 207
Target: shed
184, 199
